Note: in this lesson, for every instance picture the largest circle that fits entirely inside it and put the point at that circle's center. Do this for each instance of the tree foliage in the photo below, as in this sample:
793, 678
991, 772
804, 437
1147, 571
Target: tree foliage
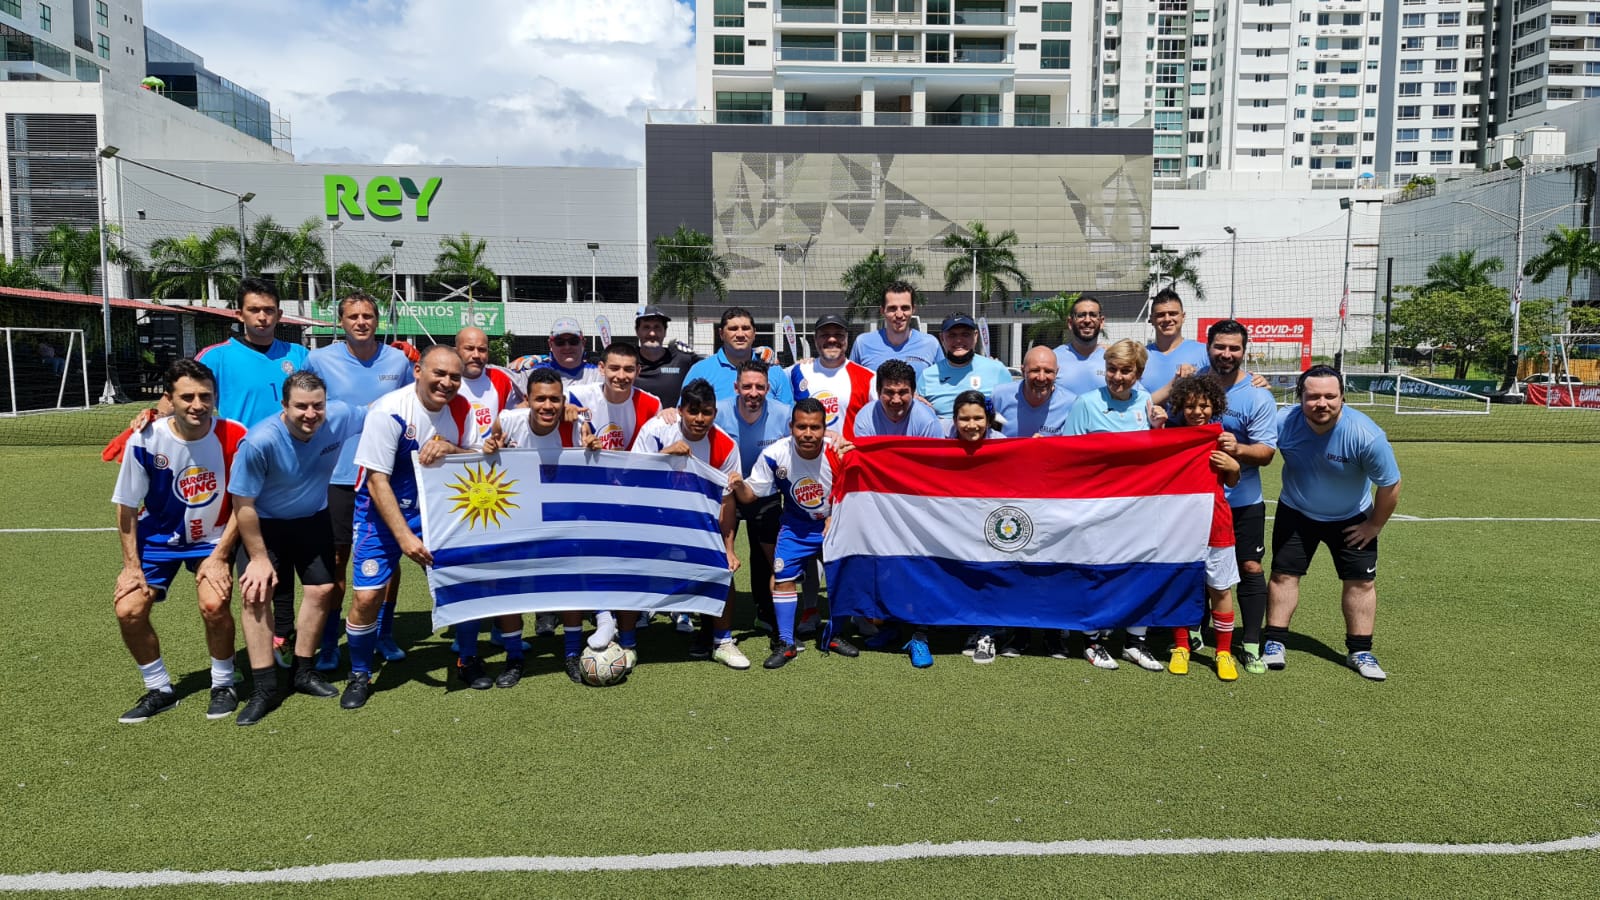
1169, 268
687, 265
1054, 319
76, 252
866, 280
1458, 326
460, 260
1569, 250
1459, 271
998, 275
183, 268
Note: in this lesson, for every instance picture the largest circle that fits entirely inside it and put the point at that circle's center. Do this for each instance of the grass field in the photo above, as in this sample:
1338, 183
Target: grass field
1482, 734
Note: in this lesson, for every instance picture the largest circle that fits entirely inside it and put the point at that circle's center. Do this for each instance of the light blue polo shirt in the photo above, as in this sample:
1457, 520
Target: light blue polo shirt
287, 478
723, 375
921, 421
1100, 412
754, 437
873, 349
1082, 375
356, 383
1329, 477
943, 381
1162, 367
1252, 418
1022, 419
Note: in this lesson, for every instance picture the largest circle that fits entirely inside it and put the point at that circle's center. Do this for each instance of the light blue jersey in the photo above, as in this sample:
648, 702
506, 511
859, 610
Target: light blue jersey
1023, 419
1252, 418
249, 380
943, 381
1100, 412
920, 421
357, 383
1163, 367
1329, 477
1081, 375
754, 437
873, 349
723, 375
288, 478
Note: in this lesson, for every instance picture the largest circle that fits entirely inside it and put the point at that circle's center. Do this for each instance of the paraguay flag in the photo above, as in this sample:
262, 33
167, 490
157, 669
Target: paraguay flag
1098, 531
545, 530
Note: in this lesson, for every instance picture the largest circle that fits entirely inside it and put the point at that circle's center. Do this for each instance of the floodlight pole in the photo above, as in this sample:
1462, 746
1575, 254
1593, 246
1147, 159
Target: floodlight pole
1344, 297
781, 250
109, 393
394, 284
974, 284
594, 272
333, 264
1513, 387
1233, 268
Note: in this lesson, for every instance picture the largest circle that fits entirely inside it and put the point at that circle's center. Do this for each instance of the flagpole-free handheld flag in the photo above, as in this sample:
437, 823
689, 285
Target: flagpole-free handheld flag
603, 325
788, 335
983, 335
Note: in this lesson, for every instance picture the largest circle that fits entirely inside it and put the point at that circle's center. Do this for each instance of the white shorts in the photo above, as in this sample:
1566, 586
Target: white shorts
1222, 568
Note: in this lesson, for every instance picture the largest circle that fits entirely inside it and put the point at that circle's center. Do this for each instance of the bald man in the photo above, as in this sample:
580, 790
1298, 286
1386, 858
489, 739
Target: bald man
489, 389
1036, 406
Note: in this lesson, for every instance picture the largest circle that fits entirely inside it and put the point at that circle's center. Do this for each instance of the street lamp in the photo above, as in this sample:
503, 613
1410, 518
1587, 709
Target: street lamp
239, 198
246, 197
594, 270
1233, 268
1348, 204
779, 249
108, 394
333, 263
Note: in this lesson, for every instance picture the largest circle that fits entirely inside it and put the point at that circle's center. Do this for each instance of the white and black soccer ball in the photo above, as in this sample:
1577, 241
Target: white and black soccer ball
602, 668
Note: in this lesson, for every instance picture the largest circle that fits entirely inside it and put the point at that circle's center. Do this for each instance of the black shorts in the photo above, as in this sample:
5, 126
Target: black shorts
1295, 538
297, 547
342, 513
1249, 533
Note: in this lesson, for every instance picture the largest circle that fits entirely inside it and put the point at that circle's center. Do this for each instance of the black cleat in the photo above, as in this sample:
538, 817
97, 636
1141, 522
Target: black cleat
257, 709
357, 690
310, 681
781, 654
224, 700
511, 675
574, 670
471, 673
151, 704
838, 645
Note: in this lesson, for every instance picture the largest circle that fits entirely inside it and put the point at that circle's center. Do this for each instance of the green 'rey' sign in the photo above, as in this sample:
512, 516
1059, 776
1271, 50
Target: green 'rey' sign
384, 197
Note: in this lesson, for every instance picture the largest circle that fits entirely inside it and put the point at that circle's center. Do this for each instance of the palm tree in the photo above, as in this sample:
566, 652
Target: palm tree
76, 252
1169, 268
995, 260
373, 281
461, 259
1055, 318
301, 251
187, 267
1459, 271
1566, 248
22, 273
263, 246
687, 264
865, 282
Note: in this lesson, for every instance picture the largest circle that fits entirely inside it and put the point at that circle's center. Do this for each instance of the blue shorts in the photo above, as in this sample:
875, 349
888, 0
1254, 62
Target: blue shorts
376, 554
796, 546
160, 565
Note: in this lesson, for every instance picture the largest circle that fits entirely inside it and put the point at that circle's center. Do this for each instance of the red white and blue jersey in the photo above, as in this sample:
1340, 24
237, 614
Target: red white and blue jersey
179, 486
517, 428
615, 424
249, 380
716, 449
488, 395
398, 425
806, 484
843, 391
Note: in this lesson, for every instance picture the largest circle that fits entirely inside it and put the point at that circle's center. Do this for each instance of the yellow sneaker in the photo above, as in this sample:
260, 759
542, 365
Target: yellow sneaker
1179, 665
1226, 669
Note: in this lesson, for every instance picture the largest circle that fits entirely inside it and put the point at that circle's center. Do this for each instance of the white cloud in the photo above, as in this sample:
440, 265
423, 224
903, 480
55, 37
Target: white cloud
533, 82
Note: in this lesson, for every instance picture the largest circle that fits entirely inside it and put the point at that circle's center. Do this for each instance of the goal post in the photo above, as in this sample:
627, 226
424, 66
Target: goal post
1573, 372
46, 370
1419, 397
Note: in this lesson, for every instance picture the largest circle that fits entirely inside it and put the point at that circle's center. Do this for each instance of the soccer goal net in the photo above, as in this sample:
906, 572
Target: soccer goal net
44, 370
1572, 377
1282, 386
1419, 397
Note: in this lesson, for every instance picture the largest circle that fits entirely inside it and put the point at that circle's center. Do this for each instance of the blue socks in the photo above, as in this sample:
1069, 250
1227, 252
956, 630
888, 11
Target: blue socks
571, 640
467, 638
363, 640
784, 605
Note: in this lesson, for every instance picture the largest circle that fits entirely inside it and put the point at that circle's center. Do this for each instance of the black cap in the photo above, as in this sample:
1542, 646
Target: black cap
830, 319
955, 320
652, 312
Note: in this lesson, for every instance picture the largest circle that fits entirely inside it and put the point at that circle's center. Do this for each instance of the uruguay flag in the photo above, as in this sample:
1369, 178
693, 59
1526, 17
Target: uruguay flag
545, 530
1098, 531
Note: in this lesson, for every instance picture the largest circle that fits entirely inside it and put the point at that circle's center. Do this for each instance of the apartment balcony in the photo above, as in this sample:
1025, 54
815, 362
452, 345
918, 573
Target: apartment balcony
807, 15
810, 54
983, 18
1333, 149
831, 117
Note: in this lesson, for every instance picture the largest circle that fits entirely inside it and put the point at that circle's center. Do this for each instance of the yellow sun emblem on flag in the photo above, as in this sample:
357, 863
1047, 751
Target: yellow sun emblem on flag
483, 496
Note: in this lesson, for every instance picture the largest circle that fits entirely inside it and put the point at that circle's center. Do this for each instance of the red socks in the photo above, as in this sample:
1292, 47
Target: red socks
1223, 623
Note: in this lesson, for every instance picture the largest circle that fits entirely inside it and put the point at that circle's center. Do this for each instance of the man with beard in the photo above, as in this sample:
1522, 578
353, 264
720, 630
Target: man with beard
961, 369
841, 386
721, 370
662, 366
1080, 362
756, 423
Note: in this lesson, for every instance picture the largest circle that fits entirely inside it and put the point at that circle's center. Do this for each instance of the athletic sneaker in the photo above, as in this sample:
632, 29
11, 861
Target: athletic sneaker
152, 703
1226, 670
1252, 663
224, 700
283, 652
1055, 645
781, 654
971, 646
357, 690
1016, 644
1272, 655
256, 709
471, 673
1138, 654
328, 659
1367, 664
921, 656
984, 653
729, 654
544, 624
511, 675
1197, 639
391, 651
1100, 656
1179, 664
838, 645
683, 622
574, 670
310, 681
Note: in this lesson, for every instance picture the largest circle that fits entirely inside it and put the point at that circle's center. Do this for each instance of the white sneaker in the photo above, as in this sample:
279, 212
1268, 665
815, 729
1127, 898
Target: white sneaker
729, 654
971, 645
1098, 655
1140, 656
1367, 664
1273, 655
683, 622
605, 631
984, 651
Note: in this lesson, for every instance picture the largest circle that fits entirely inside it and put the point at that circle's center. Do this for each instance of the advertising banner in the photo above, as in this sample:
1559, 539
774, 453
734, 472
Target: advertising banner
1274, 331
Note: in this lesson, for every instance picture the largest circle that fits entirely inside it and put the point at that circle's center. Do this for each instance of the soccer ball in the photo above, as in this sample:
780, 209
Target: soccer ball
603, 667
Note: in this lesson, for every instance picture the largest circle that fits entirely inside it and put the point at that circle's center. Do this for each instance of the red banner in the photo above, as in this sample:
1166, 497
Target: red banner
1586, 396
1274, 331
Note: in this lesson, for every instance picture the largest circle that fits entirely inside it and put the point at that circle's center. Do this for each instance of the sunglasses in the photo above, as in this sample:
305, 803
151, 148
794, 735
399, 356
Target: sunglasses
565, 341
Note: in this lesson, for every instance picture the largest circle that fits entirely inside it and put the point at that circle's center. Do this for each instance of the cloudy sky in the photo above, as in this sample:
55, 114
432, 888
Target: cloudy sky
517, 82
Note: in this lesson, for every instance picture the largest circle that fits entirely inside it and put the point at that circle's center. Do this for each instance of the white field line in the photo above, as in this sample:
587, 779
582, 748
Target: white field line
51, 530
77, 881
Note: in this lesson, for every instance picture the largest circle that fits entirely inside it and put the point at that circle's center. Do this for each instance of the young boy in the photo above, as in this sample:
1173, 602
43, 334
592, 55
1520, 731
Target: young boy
1200, 400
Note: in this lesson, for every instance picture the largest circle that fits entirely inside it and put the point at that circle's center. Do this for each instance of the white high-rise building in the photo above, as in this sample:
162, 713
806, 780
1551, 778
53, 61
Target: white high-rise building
72, 40
1550, 55
1435, 115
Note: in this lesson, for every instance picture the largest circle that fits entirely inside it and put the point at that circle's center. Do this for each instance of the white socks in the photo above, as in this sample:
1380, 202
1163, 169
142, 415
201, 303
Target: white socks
155, 676
605, 630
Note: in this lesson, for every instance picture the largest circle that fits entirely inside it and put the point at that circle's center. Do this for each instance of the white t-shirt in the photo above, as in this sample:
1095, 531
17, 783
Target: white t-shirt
489, 394
518, 432
806, 484
616, 424
716, 449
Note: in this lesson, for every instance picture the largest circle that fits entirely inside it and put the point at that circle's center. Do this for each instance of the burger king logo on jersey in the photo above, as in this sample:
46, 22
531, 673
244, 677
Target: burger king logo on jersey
809, 493
195, 486
830, 403
611, 437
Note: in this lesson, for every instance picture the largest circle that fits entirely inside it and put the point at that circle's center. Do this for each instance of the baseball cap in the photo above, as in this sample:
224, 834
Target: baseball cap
956, 320
829, 319
566, 325
652, 312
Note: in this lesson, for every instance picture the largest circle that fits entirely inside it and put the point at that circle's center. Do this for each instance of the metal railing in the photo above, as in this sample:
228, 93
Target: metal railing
702, 116
807, 54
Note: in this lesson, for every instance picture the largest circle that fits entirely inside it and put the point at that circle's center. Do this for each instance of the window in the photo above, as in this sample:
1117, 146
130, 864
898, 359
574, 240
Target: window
1411, 43
1408, 112
1442, 134
1197, 137
855, 12
1448, 42
1055, 54
103, 46
1412, 20
1591, 68
1259, 152
44, 17
939, 11
1353, 19
1450, 19
1299, 137
1258, 128
1258, 103
1441, 157
1349, 90
883, 43
1411, 89
1444, 112
1444, 65
938, 48
1197, 112
728, 14
1444, 88
1197, 65
853, 45
1033, 109
102, 14
1202, 40
1407, 135
1349, 43
1055, 17
728, 50
14, 7
1405, 157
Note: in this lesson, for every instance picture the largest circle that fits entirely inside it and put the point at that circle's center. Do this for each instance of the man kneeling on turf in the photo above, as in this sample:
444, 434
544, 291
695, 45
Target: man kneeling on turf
800, 467
172, 510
